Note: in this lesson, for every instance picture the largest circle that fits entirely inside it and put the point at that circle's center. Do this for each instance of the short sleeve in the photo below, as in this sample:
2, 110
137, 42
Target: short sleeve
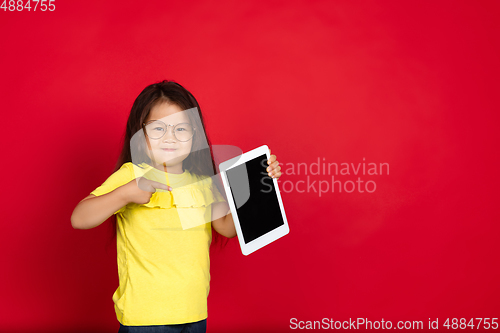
120, 177
217, 195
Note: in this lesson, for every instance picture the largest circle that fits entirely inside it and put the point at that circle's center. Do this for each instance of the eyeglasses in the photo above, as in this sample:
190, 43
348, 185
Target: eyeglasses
156, 129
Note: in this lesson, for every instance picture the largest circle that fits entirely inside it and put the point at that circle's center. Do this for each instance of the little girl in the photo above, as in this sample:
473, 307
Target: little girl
166, 203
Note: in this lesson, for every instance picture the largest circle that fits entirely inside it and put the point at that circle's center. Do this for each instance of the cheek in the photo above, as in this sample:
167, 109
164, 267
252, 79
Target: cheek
152, 148
154, 144
186, 148
143, 148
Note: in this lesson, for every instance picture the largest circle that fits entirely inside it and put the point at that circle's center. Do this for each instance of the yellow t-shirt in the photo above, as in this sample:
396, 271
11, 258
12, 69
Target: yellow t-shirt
163, 266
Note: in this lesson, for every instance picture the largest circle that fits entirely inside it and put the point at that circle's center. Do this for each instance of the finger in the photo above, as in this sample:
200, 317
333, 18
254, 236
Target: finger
273, 166
144, 185
271, 159
274, 171
269, 155
159, 185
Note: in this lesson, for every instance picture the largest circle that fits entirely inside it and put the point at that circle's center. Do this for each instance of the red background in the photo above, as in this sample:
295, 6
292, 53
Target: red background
412, 84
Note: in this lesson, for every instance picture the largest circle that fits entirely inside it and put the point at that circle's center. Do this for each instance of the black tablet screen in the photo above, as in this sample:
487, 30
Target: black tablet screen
261, 212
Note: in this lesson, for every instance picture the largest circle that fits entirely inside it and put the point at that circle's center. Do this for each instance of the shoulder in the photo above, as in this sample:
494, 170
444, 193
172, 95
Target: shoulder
120, 177
135, 170
126, 170
127, 165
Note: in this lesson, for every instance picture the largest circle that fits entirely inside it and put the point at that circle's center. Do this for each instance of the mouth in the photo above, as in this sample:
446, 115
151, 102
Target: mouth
168, 149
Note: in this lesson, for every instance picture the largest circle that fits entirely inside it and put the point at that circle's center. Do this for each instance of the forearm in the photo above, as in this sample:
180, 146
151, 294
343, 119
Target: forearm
227, 228
92, 212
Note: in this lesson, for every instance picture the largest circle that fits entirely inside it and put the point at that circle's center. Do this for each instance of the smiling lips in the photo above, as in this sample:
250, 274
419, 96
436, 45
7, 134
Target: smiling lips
168, 149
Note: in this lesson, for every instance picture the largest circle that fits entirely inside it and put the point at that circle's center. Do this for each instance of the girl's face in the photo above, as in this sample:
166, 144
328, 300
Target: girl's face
168, 150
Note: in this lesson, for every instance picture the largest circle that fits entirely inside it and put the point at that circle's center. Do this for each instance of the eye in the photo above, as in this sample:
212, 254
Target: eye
183, 128
158, 129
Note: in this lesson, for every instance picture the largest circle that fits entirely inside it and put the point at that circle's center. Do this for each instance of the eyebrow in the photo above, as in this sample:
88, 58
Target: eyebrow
184, 122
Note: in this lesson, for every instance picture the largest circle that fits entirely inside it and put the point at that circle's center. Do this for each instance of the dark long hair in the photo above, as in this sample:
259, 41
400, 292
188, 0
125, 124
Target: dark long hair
171, 92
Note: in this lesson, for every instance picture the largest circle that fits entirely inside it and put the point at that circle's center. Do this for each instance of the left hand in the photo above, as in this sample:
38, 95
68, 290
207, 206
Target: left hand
274, 170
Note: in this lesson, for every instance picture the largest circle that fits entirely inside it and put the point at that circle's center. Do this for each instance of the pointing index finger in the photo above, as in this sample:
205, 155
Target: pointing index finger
162, 186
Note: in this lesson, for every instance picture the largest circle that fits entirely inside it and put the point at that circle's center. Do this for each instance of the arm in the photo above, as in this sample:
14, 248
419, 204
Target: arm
224, 225
94, 210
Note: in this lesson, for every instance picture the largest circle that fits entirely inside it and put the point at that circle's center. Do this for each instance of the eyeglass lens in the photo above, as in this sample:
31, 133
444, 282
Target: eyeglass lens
157, 129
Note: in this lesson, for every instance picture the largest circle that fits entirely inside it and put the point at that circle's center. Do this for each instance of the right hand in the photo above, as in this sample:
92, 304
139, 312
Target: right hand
141, 190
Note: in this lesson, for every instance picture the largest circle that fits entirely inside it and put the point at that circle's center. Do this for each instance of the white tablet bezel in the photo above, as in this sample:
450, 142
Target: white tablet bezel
271, 236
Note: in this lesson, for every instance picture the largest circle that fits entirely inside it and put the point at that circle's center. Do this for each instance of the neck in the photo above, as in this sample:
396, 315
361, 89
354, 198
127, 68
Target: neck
174, 169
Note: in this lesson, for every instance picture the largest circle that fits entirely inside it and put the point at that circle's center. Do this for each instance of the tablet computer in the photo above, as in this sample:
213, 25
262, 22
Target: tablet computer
254, 199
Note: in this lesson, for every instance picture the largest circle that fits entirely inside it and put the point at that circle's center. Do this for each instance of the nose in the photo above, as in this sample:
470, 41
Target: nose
169, 136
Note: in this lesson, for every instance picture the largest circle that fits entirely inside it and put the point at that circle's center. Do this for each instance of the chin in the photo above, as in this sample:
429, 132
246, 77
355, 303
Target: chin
171, 161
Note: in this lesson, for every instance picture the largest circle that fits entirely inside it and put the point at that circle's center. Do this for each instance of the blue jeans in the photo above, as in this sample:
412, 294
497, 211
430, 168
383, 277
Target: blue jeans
196, 327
